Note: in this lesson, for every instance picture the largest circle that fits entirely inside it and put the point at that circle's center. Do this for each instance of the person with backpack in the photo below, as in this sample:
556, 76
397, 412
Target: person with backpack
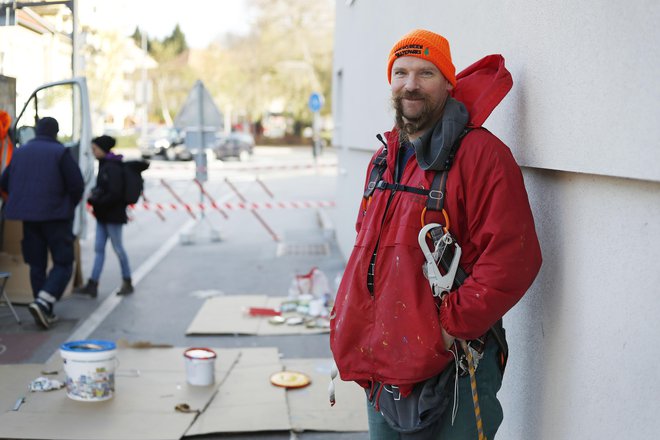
431, 365
108, 202
44, 185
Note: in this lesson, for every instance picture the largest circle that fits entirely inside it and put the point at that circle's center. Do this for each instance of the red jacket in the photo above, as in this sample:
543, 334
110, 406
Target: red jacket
393, 335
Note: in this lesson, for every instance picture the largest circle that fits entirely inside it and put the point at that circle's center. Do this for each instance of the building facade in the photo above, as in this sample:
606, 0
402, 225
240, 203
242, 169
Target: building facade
581, 120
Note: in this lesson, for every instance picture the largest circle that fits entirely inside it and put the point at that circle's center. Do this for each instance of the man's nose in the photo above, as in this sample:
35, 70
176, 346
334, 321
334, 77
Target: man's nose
411, 83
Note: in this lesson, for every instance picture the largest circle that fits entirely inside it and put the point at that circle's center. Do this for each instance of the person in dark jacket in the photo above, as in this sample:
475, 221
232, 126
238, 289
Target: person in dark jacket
44, 184
108, 203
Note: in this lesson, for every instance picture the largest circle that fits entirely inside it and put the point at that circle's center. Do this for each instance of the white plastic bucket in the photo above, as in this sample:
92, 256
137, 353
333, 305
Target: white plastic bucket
89, 367
200, 366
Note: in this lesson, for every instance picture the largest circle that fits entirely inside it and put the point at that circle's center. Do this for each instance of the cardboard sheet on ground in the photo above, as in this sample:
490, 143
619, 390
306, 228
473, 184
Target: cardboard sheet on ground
310, 408
149, 383
247, 392
246, 401
227, 315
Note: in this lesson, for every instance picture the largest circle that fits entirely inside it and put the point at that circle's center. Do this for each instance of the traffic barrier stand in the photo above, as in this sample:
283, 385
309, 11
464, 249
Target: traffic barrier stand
178, 199
214, 205
263, 185
253, 211
147, 205
189, 237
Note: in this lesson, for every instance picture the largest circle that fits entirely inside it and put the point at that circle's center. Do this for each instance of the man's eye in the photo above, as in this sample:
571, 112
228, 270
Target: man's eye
399, 73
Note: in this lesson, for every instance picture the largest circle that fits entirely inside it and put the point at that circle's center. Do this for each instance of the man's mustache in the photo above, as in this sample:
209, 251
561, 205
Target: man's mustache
410, 95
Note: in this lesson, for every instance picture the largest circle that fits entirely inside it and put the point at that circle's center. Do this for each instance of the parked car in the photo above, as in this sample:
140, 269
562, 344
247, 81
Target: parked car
236, 144
167, 142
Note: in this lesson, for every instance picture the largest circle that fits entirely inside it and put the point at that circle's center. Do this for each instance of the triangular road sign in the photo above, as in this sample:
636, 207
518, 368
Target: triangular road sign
199, 111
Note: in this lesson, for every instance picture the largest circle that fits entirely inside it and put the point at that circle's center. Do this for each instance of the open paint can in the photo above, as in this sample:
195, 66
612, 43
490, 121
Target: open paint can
200, 366
89, 367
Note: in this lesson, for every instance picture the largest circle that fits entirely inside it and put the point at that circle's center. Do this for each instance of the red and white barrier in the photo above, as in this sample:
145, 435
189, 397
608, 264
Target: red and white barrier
231, 206
247, 168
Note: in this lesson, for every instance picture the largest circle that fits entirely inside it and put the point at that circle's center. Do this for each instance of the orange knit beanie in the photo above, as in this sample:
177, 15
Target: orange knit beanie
427, 46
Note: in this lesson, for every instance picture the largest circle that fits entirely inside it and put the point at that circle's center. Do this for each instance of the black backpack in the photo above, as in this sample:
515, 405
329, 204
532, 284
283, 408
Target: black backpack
133, 181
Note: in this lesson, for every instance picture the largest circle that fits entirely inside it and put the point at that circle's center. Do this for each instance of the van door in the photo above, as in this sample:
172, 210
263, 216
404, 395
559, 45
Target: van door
68, 102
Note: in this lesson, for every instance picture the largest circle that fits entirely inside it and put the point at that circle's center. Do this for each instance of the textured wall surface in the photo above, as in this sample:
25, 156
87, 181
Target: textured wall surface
582, 121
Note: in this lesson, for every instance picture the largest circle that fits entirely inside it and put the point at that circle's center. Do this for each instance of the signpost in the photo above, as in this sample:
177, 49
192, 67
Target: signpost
315, 104
201, 120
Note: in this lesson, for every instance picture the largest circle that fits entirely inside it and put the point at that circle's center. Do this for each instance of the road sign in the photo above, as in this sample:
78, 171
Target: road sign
199, 113
315, 102
201, 119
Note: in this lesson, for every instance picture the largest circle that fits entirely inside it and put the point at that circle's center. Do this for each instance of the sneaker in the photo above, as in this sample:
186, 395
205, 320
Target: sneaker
91, 288
126, 287
41, 316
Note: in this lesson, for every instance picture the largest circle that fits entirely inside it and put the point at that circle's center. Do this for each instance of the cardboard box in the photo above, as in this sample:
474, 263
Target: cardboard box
12, 235
18, 286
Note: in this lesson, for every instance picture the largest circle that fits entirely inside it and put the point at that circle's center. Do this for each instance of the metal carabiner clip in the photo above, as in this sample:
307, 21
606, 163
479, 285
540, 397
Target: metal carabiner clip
439, 283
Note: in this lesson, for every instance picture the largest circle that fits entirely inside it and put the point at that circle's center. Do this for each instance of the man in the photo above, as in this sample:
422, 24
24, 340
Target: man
388, 332
44, 185
107, 200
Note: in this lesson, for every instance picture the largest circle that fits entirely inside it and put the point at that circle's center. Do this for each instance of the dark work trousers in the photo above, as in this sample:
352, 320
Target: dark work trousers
40, 238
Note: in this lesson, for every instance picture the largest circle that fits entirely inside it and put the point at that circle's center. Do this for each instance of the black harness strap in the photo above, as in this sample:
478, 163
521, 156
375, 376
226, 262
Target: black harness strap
382, 185
436, 199
380, 164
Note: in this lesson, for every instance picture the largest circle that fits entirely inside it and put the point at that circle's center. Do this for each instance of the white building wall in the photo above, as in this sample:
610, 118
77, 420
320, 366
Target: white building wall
582, 121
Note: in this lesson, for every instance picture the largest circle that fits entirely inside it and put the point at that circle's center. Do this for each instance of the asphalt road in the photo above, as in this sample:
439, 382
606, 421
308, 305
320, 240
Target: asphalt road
177, 264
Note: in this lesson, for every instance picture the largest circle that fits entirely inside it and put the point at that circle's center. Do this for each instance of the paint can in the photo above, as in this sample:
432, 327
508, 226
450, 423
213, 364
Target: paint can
89, 367
200, 366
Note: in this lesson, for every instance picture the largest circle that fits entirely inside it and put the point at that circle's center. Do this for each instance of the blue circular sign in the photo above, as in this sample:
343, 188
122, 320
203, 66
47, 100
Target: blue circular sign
315, 102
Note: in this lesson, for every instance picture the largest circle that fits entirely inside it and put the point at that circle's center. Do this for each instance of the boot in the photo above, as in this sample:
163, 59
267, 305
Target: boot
126, 287
91, 288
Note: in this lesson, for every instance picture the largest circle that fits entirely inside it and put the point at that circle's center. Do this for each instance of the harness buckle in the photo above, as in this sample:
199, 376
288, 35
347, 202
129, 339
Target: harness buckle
371, 186
435, 194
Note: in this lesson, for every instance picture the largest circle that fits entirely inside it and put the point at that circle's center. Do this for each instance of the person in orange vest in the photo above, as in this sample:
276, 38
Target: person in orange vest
6, 147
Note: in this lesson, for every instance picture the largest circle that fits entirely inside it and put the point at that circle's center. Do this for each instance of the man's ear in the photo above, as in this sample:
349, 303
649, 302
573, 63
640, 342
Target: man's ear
449, 87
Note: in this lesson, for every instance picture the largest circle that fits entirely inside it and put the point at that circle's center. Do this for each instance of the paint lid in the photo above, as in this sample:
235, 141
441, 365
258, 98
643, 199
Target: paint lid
199, 353
89, 345
290, 379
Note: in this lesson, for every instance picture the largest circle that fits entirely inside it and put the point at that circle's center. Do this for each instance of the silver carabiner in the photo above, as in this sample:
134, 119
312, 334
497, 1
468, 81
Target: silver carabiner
439, 283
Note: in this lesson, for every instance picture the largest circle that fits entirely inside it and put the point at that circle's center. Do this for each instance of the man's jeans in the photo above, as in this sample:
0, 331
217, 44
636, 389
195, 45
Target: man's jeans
113, 231
489, 380
39, 238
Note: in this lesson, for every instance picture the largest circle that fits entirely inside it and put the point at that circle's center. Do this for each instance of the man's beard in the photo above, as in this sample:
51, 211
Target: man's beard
417, 124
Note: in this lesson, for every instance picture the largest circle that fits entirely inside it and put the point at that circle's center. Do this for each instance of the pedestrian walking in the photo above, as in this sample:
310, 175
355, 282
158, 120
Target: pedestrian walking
109, 207
44, 184
431, 358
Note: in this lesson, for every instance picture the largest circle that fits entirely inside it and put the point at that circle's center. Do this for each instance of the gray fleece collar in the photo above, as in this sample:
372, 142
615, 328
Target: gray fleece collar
432, 149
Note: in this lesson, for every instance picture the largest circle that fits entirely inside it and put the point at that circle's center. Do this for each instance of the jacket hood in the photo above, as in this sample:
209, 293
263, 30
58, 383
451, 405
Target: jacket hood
479, 89
482, 86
